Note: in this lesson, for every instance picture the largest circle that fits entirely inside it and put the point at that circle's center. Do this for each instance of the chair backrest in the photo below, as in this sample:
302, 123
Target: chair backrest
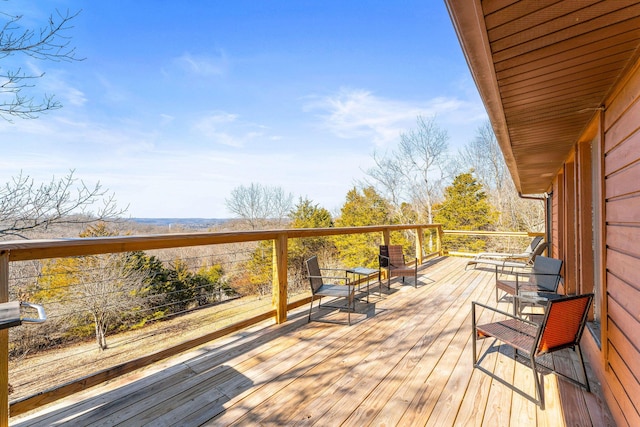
537, 252
533, 245
563, 323
396, 256
546, 273
313, 270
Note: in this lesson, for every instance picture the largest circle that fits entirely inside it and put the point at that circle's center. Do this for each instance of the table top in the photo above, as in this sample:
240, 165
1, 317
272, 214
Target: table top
362, 270
538, 297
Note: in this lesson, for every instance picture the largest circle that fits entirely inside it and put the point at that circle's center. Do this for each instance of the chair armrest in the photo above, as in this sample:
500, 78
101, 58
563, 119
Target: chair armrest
341, 270
500, 255
495, 310
344, 278
520, 273
380, 258
334, 269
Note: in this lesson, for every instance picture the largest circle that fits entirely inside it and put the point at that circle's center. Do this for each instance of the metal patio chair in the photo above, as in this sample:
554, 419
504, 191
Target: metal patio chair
525, 256
321, 289
511, 262
561, 327
544, 276
393, 260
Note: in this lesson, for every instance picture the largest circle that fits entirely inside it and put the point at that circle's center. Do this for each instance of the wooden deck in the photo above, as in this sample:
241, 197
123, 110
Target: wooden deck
405, 361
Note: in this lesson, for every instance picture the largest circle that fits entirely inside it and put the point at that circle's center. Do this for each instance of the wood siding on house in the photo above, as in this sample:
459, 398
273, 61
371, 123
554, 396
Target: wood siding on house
620, 293
573, 242
622, 223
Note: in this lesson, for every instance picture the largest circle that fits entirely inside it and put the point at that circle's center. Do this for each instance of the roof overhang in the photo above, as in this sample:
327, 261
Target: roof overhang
543, 70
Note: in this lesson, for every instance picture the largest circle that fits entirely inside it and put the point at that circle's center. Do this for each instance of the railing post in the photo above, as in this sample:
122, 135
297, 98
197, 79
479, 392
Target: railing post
386, 237
280, 285
419, 243
439, 240
4, 343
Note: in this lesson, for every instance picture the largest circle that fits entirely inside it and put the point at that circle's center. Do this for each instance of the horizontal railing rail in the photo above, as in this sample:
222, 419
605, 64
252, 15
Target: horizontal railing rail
496, 241
16, 251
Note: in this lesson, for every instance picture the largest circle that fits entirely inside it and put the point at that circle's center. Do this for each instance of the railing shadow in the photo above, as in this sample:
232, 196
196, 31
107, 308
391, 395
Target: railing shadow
174, 396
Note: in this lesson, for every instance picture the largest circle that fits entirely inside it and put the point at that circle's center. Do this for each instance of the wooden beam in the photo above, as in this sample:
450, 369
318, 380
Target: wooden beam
386, 237
419, 243
25, 250
280, 284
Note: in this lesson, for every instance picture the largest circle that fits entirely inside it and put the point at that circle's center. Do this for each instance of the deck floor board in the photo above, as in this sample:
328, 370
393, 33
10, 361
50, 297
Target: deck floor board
406, 360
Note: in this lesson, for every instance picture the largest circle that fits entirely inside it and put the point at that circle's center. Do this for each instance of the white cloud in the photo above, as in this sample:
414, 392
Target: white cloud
204, 65
357, 113
52, 82
113, 93
226, 129
165, 119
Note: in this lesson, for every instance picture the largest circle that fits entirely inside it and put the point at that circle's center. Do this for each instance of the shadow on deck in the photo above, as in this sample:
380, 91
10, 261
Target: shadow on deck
406, 360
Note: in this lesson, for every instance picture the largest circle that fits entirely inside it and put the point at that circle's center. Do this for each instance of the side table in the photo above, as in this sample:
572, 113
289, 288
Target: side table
364, 271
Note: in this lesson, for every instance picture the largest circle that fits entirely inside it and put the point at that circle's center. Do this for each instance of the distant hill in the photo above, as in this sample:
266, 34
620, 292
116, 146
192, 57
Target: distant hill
182, 222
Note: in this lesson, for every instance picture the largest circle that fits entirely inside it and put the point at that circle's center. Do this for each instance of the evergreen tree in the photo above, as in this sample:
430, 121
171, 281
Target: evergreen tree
465, 207
306, 214
362, 209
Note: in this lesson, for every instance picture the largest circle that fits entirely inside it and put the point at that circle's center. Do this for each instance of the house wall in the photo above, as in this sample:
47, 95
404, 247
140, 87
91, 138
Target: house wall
611, 241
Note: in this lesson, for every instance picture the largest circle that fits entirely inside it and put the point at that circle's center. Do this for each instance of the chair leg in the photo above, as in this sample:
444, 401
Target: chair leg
310, 308
473, 331
537, 381
584, 369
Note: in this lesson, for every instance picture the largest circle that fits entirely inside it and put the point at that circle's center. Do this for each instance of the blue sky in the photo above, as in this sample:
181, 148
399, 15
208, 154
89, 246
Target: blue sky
178, 103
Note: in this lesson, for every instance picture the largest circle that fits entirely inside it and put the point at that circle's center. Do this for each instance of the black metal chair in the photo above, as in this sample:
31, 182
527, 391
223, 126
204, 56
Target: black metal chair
561, 327
544, 276
321, 289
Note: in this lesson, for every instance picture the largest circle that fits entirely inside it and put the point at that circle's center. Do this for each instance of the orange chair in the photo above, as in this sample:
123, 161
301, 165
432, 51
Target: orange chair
561, 328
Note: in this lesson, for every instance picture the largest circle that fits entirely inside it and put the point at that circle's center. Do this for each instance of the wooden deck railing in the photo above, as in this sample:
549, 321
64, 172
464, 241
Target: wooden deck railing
14, 251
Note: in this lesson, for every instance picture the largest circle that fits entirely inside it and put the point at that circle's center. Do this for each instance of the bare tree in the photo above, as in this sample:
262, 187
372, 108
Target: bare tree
107, 287
484, 157
26, 207
48, 43
424, 150
389, 179
259, 205
415, 171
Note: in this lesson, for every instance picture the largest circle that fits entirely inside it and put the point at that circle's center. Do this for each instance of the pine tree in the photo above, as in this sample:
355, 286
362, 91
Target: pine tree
362, 209
465, 207
306, 214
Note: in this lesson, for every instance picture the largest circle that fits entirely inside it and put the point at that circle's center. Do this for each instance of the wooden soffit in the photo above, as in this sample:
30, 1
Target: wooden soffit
543, 69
